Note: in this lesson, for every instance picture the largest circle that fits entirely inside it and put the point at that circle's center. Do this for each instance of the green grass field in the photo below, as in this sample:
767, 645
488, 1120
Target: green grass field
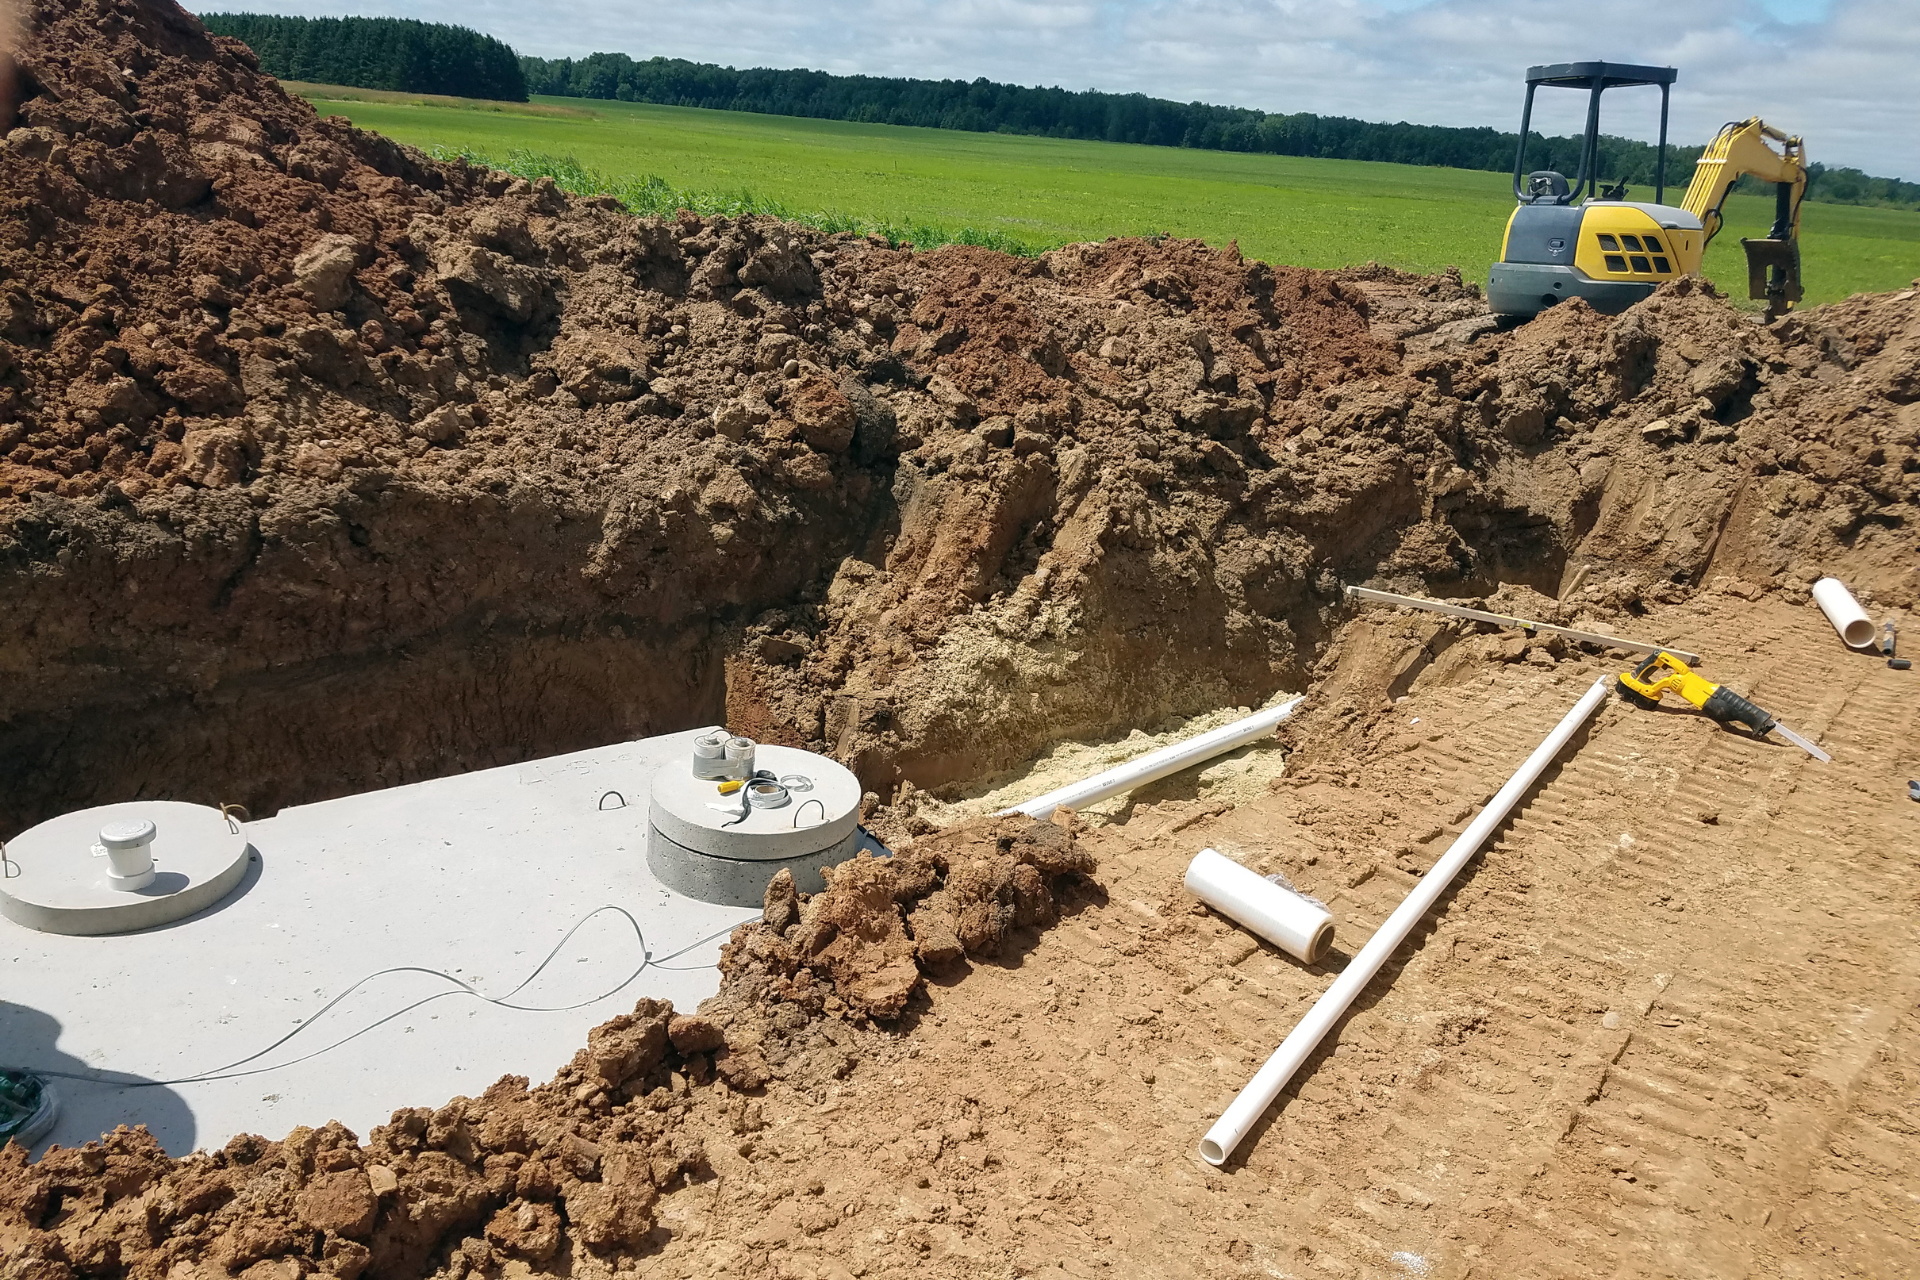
1036, 193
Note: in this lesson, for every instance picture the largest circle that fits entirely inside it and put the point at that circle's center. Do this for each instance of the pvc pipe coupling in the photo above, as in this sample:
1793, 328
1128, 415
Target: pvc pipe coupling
1298, 925
1844, 612
719, 756
127, 846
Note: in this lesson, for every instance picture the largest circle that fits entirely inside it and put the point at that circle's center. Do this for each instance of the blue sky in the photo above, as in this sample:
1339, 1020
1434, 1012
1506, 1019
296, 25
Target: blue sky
1839, 72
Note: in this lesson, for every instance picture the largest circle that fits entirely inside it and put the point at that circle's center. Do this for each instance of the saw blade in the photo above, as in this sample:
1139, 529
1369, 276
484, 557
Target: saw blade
1802, 743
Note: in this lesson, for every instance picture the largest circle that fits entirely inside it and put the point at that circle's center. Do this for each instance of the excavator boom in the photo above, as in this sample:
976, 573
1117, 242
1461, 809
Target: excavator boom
1773, 261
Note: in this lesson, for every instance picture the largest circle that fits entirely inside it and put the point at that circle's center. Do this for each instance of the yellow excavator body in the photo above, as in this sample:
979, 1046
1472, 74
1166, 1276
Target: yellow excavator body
1612, 251
1628, 242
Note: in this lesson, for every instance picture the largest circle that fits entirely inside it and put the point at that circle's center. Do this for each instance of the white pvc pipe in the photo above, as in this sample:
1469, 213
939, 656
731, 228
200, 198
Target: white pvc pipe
1844, 612
1156, 764
127, 846
1291, 921
1266, 1084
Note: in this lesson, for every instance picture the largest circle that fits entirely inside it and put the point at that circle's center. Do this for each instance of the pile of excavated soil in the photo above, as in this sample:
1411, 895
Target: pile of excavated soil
325, 466
570, 1173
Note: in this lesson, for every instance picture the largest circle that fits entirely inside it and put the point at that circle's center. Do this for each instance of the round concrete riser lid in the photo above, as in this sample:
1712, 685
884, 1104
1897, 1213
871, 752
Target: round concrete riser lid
680, 809
53, 883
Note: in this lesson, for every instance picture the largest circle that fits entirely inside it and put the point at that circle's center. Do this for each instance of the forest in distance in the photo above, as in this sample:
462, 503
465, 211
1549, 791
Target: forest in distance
379, 53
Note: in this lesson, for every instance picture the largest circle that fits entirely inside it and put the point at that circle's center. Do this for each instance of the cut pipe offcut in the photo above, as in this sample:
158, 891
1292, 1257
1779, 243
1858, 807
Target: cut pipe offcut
1844, 612
1293, 922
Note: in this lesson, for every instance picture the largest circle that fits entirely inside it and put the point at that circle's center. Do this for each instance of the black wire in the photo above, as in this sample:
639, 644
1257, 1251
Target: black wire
228, 1071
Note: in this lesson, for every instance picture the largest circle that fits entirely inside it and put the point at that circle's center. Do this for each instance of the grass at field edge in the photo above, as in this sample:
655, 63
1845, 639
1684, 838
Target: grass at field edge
650, 194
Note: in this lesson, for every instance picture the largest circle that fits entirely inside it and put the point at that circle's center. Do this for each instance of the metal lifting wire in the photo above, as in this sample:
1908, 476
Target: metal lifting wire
228, 1072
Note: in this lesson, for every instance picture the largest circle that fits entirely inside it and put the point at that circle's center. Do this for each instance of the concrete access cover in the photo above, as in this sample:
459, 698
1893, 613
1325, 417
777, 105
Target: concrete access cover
52, 881
722, 848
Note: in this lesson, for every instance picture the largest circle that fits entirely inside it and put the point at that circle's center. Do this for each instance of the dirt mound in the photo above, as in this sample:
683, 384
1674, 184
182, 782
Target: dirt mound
862, 943
573, 1168
1197, 482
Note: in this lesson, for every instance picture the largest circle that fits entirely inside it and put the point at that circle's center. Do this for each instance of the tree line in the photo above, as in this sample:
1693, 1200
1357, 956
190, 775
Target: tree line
379, 53
984, 106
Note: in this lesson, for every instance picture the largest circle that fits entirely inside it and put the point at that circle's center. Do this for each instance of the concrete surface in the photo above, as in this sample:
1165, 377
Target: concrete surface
478, 875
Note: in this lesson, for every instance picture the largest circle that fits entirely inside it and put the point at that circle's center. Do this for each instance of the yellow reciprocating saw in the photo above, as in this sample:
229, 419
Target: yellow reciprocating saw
1644, 685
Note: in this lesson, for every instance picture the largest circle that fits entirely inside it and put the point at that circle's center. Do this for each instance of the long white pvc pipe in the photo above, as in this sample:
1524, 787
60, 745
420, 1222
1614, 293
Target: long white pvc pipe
1266, 1084
1291, 921
1844, 612
1156, 764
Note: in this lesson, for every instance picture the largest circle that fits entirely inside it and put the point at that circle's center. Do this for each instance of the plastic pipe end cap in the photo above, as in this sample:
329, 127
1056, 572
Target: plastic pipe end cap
128, 833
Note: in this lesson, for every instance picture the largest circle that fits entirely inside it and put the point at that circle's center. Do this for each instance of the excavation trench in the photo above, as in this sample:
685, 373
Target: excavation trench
325, 466
452, 636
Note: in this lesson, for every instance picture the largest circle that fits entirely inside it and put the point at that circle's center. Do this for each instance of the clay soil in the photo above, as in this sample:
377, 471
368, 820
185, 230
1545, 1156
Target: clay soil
324, 466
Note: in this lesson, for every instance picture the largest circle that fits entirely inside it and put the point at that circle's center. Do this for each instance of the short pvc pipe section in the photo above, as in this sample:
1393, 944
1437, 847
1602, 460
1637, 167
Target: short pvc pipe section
1253, 1101
1291, 921
1844, 612
1156, 764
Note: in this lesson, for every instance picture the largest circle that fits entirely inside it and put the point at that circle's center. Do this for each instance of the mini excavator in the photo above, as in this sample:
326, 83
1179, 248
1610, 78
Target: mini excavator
1613, 251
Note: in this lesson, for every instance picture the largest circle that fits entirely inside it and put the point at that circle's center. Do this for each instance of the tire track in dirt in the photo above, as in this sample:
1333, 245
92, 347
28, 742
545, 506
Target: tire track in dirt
1703, 1078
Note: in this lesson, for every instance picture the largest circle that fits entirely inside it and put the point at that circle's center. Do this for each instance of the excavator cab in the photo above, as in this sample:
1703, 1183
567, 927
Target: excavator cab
1579, 239
1606, 249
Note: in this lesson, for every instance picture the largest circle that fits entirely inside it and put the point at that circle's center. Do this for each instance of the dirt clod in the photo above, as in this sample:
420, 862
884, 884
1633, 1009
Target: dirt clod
864, 940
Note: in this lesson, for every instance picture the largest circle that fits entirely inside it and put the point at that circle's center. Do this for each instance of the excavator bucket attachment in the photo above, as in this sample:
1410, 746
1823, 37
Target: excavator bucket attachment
1773, 272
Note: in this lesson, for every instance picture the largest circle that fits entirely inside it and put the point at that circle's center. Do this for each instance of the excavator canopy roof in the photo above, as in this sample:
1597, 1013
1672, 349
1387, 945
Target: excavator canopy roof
1604, 75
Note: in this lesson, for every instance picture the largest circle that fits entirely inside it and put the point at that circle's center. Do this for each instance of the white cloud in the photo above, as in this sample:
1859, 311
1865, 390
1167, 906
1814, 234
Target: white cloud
1839, 72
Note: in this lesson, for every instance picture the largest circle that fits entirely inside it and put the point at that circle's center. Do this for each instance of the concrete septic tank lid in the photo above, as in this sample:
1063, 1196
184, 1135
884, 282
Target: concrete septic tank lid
53, 883
362, 924
811, 820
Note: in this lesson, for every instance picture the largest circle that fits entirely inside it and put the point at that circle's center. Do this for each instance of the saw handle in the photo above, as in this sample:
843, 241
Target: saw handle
1646, 668
1644, 685
1727, 705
